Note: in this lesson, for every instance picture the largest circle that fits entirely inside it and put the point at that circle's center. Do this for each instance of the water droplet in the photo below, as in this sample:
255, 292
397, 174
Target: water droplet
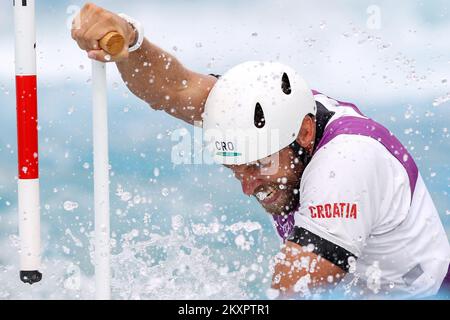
441, 100
177, 222
70, 205
310, 41
408, 131
165, 192
408, 114
125, 196
208, 207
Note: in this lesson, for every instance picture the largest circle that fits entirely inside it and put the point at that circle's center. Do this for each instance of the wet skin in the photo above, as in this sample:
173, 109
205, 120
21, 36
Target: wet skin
275, 181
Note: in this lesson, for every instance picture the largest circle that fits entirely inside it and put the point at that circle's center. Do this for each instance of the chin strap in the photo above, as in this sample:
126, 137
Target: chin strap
300, 153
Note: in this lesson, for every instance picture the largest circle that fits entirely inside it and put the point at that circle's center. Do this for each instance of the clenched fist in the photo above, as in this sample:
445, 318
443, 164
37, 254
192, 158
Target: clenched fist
92, 24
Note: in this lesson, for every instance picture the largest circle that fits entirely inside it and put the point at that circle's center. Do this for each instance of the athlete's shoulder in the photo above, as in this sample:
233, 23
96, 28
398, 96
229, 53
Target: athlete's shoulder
350, 165
347, 151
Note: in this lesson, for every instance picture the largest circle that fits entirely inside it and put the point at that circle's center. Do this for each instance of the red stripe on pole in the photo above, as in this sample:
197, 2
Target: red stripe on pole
27, 127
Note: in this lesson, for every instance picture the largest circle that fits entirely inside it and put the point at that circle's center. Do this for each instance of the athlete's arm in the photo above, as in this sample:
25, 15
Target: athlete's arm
150, 73
298, 270
165, 83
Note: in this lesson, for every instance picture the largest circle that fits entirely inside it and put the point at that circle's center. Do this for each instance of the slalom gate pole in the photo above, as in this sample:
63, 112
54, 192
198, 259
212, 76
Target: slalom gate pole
113, 44
27, 141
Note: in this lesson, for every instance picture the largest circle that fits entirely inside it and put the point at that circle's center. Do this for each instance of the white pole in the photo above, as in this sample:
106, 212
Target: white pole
101, 182
27, 141
111, 43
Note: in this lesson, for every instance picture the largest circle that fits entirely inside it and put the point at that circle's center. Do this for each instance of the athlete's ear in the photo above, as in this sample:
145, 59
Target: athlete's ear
307, 133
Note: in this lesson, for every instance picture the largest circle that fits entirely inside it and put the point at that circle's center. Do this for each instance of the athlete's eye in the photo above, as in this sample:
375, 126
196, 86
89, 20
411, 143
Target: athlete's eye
259, 119
286, 84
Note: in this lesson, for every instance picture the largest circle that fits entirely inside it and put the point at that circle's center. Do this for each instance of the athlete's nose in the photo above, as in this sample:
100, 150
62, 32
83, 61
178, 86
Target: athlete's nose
249, 183
248, 176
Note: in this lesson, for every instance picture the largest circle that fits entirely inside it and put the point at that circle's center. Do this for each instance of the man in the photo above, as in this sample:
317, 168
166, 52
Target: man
345, 195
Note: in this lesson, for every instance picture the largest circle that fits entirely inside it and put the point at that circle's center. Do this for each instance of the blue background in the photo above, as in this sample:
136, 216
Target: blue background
396, 72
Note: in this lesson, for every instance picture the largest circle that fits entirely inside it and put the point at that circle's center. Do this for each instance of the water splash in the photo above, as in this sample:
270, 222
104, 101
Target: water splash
172, 267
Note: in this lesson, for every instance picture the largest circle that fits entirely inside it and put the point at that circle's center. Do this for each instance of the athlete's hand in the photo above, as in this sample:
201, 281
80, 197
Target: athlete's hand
92, 24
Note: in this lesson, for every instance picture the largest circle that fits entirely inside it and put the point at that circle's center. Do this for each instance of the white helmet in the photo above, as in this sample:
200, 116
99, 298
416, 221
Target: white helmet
255, 110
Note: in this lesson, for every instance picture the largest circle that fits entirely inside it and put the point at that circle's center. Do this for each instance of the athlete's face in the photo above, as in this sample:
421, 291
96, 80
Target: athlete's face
273, 181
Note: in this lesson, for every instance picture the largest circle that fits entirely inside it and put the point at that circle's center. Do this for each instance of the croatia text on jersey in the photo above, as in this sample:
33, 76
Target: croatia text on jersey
334, 210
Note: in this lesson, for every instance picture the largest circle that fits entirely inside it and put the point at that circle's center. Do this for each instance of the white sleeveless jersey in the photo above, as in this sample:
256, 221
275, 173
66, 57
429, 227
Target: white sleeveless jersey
362, 194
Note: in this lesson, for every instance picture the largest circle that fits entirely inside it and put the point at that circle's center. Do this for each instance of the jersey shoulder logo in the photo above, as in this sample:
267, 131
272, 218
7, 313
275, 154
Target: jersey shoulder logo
344, 210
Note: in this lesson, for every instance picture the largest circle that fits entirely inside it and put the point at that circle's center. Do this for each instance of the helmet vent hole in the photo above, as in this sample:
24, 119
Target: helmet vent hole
259, 119
286, 84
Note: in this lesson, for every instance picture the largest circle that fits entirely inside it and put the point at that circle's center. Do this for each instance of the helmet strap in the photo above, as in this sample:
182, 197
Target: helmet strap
300, 153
